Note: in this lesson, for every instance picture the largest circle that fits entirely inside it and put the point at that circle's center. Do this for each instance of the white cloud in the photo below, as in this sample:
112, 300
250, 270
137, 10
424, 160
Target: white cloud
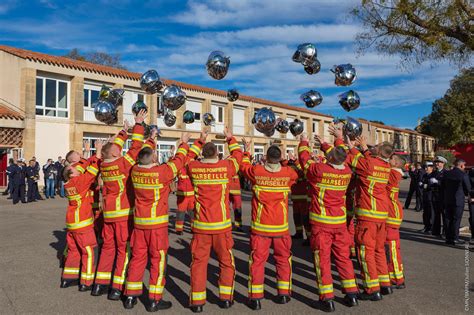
7, 5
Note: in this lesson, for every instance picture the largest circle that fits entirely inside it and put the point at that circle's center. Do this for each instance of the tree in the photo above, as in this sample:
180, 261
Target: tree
99, 58
417, 30
452, 117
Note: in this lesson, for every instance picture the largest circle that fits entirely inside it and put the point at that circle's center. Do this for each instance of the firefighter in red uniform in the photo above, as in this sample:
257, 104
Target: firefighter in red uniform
236, 201
80, 238
151, 183
350, 207
371, 213
185, 200
271, 184
115, 171
394, 220
212, 226
328, 184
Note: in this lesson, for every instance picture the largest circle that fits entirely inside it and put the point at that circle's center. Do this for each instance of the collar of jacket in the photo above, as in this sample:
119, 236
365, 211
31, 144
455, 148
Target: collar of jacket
272, 167
148, 165
110, 160
383, 159
210, 161
398, 170
338, 167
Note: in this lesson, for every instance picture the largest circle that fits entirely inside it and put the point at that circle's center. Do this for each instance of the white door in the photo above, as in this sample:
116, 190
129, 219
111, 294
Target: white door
238, 120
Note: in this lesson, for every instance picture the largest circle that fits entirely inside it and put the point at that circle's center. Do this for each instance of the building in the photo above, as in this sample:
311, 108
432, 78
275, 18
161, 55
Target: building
46, 110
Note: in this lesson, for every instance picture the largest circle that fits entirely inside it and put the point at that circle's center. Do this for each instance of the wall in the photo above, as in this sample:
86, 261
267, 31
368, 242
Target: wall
10, 79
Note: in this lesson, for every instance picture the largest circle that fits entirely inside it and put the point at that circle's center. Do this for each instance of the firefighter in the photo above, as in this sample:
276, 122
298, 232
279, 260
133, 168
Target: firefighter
32, 178
184, 200
394, 220
371, 213
80, 237
350, 208
117, 212
437, 195
236, 201
428, 205
329, 235
271, 185
212, 226
151, 183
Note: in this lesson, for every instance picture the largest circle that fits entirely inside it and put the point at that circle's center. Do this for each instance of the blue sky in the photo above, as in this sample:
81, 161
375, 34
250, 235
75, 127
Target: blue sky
260, 36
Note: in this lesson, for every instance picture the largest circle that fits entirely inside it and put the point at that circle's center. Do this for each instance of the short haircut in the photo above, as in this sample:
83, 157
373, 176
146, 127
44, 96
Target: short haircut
337, 155
273, 154
418, 164
399, 160
386, 149
145, 156
209, 150
68, 155
11, 161
458, 162
106, 148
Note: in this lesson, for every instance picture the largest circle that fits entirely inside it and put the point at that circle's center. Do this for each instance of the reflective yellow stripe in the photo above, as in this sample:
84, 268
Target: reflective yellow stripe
81, 224
398, 273
256, 288
327, 219
137, 137
271, 189
325, 289
236, 164
355, 161
317, 266
185, 193
158, 288
269, 228
80, 169
225, 290
212, 226
322, 205
117, 213
103, 275
395, 204
70, 271
93, 170
246, 160
384, 278
148, 186
348, 283
373, 202
129, 159
90, 255
331, 187
146, 145
235, 192
371, 213
233, 147
182, 151
119, 141
134, 286
223, 203
198, 296
195, 149
377, 179
329, 150
303, 148
211, 181
394, 221
173, 168
151, 221
283, 285
113, 178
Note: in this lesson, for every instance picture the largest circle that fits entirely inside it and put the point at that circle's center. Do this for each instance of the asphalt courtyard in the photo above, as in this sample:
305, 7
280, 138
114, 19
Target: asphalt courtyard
439, 278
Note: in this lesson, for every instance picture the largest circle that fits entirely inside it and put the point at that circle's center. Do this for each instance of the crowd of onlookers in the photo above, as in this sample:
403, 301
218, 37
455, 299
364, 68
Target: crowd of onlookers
23, 180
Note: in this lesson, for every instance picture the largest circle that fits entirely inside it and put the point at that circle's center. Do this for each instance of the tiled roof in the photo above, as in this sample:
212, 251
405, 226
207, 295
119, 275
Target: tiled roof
7, 113
91, 67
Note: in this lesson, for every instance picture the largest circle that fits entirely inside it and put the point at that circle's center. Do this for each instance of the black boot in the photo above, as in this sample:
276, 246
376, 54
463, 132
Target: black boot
254, 304
351, 300
196, 308
400, 286
99, 289
114, 294
283, 299
386, 290
130, 302
376, 296
66, 283
84, 288
225, 304
158, 305
327, 306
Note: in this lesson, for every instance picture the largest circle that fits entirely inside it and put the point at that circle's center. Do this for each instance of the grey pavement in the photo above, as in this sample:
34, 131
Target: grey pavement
439, 278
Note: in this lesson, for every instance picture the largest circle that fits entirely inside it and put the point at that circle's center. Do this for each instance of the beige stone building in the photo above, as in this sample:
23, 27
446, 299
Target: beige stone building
51, 98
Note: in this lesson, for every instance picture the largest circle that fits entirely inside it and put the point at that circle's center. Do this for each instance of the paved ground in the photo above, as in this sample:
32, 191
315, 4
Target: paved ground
31, 236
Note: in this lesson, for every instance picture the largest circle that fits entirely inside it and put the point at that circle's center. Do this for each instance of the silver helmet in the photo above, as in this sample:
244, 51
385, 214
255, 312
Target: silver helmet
232, 95
282, 126
311, 98
305, 54
352, 128
313, 67
173, 97
264, 120
344, 74
217, 65
296, 127
138, 106
150, 82
105, 112
188, 117
169, 119
349, 100
208, 119
113, 96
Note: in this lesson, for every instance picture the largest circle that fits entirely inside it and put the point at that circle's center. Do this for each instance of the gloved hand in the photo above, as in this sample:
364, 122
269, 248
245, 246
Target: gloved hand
433, 180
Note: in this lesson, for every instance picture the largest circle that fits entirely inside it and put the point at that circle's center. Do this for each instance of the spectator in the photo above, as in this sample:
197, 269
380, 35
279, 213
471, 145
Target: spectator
419, 172
10, 171
19, 174
50, 174
471, 204
455, 186
412, 188
58, 167
37, 170
32, 177
61, 178
428, 207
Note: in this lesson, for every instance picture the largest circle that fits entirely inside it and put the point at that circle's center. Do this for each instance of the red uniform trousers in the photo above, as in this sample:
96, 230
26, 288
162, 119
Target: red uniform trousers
115, 236
144, 243
260, 248
185, 204
370, 239
301, 216
201, 246
80, 254
395, 264
336, 241
351, 230
236, 201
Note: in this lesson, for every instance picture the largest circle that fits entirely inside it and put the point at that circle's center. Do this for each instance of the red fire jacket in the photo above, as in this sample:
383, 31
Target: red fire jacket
115, 174
185, 186
271, 186
79, 216
328, 184
371, 195
210, 180
151, 186
395, 210
235, 185
299, 190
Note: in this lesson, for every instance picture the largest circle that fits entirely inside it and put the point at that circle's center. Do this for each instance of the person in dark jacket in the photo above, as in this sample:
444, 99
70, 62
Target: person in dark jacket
57, 183
471, 203
412, 188
455, 186
437, 195
10, 170
37, 169
428, 211
19, 188
419, 172
32, 179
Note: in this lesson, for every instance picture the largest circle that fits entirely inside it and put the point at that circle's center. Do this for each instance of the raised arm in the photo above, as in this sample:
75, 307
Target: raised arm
235, 151
122, 135
246, 168
196, 147
137, 139
177, 162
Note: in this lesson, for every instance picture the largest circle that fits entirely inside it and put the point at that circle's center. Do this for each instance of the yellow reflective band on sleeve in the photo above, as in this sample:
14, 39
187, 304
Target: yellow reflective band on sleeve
236, 165
129, 159
70, 271
117, 213
304, 148
355, 160
329, 149
246, 160
256, 288
182, 151
327, 219
225, 290
326, 289
146, 145
137, 137
348, 283
195, 149
80, 169
233, 147
103, 275
269, 228
151, 221
173, 168
91, 169
212, 226
198, 296
371, 214
184, 193
80, 224
119, 141
283, 285
134, 286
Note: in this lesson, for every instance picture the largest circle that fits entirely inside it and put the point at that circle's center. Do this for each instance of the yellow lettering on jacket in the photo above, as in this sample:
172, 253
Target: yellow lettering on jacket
71, 191
272, 181
110, 173
109, 168
209, 170
381, 175
381, 169
336, 179
202, 176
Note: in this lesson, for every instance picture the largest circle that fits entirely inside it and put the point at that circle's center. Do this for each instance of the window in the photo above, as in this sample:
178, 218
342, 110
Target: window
258, 152
238, 121
52, 97
220, 148
95, 137
196, 107
91, 95
130, 97
163, 152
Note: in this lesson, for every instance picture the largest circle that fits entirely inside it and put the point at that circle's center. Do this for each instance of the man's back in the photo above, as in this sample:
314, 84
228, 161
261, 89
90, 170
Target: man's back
455, 186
